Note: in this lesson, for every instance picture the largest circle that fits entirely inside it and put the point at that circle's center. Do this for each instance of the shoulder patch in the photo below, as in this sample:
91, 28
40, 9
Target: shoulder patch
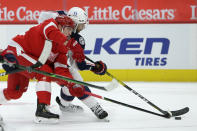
81, 41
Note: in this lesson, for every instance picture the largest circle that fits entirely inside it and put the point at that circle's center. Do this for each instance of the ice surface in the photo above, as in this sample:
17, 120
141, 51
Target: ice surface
18, 115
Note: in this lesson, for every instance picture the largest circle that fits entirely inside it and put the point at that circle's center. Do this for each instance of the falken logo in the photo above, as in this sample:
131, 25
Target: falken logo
140, 48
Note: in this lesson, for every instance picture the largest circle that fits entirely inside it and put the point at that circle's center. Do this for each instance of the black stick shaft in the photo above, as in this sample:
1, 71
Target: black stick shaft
124, 104
133, 91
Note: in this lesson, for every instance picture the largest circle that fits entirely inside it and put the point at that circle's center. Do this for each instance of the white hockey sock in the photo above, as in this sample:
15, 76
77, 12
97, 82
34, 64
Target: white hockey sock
66, 91
90, 102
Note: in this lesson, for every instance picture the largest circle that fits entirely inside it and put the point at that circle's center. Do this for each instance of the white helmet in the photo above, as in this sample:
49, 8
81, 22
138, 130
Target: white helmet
78, 15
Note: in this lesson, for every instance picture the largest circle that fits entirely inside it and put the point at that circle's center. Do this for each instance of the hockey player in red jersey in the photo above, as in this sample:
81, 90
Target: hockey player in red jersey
77, 62
37, 48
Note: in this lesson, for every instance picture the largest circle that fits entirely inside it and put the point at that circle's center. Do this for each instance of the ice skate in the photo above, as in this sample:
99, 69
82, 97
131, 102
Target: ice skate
99, 112
43, 115
69, 108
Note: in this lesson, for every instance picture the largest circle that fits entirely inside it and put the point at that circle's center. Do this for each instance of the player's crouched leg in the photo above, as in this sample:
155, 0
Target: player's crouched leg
65, 100
17, 85
43, 91
92, 103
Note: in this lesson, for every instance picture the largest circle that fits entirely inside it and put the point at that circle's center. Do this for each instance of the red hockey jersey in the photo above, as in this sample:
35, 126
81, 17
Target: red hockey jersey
34, 39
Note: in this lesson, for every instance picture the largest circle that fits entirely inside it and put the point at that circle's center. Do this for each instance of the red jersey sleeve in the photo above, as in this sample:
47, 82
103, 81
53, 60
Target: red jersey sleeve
51, 32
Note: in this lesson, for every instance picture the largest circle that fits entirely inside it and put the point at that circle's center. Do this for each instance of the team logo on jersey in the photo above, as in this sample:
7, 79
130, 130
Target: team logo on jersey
52, 56
81, 41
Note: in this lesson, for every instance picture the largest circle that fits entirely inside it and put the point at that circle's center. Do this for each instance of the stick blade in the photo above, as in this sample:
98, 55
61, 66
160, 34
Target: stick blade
112, 85
180, 112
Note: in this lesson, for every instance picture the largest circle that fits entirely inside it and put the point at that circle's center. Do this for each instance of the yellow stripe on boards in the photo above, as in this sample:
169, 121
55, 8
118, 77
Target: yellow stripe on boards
145, 75
166, 75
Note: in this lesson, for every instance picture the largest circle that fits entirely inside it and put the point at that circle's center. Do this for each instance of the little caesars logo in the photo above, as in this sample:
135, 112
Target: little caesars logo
129, 13
20, 14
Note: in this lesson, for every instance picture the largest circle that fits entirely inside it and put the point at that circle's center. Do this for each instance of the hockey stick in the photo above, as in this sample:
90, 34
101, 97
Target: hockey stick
32, 69
60, 77
169, 113
126, 105
109, 87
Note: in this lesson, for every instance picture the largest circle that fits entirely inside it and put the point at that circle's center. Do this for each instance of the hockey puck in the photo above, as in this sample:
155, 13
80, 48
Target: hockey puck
177, 118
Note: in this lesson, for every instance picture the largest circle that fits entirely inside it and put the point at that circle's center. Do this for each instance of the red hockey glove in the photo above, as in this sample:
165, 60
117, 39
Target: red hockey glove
99, 68
76, 90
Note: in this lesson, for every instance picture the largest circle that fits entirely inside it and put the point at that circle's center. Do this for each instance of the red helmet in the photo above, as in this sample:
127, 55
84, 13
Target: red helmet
64, 21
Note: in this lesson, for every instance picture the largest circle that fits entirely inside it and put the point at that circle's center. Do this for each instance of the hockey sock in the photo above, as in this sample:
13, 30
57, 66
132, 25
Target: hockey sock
66, 98
90, 101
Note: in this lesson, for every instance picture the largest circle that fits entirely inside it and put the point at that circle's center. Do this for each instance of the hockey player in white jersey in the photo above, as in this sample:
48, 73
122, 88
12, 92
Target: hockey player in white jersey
80, 17
81, 20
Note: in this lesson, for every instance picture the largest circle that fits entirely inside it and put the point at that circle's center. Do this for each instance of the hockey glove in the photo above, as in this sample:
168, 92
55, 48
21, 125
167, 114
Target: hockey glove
83, 65
99, 68
76, 90
10, 61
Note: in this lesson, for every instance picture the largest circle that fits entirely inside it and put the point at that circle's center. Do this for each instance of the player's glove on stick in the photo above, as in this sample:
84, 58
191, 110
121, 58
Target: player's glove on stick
76, 90
10, 60
99, 68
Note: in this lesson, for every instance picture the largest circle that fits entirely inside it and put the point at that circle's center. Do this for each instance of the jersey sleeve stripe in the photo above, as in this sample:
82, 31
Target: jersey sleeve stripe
47, 26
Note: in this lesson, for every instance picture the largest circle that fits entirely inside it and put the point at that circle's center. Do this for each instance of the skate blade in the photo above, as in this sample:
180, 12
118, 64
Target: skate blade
41, 120
71, 111
104, 120
75, 112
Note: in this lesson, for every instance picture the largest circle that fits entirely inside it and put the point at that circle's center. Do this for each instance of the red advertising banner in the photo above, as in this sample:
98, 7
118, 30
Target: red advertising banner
26, 11
138, 11
103, 11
